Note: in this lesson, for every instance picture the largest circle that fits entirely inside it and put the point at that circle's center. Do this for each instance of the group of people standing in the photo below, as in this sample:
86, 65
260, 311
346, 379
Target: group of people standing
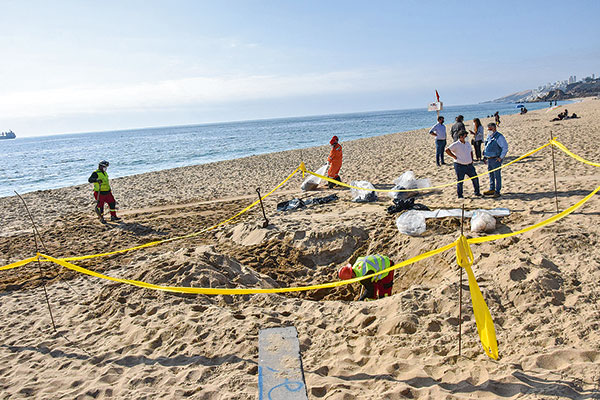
494, 152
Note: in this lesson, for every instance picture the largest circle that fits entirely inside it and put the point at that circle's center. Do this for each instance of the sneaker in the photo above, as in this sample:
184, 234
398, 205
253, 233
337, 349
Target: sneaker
489, 192
461, 197
478, 195
114, 218
102, 220
496, 195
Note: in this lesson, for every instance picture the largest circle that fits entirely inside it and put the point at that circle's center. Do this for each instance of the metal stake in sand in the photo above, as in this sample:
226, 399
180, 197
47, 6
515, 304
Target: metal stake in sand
462, 222
554, 171
37, 249
266, 223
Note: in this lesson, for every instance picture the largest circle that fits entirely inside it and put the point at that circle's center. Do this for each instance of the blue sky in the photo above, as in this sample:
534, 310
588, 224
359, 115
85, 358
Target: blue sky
80, 66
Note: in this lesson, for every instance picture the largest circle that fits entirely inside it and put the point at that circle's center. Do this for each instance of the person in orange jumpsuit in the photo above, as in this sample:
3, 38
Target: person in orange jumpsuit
334, 160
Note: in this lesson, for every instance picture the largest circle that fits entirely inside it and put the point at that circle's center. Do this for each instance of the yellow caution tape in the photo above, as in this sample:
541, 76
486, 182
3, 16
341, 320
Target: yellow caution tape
303, 169
150, 244
570, 153
18, 263
237, 291
328, 179
483, 318
539, 224
464, 255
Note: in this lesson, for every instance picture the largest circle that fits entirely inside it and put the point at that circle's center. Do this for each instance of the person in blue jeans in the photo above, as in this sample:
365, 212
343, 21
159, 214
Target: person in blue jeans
462, 153
439, 131
494, 152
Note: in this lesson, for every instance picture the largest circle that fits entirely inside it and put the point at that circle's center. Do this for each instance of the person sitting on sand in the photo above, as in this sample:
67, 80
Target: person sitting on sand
334, 161
462, 153
378, 286
102, 192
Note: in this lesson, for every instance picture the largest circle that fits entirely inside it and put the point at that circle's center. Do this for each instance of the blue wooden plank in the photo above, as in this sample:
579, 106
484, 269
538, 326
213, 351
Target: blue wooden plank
280, 373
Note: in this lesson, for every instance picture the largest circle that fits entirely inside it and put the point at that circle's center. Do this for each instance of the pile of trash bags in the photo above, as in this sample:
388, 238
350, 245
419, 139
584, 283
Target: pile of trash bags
363, 196
408, 181
405, 204
297, 203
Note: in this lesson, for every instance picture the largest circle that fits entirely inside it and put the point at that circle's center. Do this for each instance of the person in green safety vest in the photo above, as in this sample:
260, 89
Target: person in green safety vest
102, 192
375, 287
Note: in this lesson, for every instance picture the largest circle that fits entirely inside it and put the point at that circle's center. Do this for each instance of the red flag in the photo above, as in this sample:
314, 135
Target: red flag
437, 95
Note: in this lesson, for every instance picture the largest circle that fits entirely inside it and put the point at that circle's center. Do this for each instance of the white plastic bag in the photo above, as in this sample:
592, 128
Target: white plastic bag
482, 221
363, 196
411, 223
408, 181
311, 182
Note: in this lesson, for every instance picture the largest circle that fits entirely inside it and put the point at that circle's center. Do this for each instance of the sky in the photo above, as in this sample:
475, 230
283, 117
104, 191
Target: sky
83, 66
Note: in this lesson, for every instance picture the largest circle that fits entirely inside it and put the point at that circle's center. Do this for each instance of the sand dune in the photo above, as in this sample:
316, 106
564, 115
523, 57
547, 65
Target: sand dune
120, 341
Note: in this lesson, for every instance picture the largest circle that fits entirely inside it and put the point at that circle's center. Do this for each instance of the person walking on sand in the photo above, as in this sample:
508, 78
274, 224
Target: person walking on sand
102, 192
458, 127
334, 161
439, 131
477, 137
378, 286
463, 163
497, 118
494, 152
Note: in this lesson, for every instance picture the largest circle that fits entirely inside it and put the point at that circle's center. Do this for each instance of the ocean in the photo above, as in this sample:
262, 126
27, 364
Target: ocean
49, 162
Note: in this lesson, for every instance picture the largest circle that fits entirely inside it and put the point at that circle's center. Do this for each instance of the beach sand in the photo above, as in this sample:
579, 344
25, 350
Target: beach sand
119, 341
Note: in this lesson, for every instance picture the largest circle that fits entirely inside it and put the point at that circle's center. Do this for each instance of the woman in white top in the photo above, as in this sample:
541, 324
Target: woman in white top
478, 138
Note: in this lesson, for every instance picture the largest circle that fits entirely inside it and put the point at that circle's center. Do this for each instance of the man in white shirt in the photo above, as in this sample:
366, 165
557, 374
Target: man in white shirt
462, 153
439, 131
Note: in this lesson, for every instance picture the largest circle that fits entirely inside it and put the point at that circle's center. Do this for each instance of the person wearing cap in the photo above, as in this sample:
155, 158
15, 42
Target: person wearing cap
462, 153
102, 192
458, 127
494, 152
334, 160
439, 131
378, 286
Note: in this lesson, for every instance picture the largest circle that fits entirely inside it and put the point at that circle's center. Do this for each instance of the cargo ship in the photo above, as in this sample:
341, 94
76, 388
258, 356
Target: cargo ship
7, 135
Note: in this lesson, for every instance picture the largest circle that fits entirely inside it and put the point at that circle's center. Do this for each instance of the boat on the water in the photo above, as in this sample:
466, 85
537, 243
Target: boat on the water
7, 135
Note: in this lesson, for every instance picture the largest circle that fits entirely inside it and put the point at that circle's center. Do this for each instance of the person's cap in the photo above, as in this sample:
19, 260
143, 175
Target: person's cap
492, 125
103, 163
346, 272
333, 140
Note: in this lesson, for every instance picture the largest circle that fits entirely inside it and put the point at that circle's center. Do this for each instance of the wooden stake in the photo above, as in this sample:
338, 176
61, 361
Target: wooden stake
37, 249
554, 171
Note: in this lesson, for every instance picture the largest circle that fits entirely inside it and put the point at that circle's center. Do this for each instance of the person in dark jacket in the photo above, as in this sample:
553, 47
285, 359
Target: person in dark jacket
102, 192
458, 127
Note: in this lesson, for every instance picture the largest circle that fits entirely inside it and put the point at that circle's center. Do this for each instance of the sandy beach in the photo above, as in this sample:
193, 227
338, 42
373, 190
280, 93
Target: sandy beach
119, 341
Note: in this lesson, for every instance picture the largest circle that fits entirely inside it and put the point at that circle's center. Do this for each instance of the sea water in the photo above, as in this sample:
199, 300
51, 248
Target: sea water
49, 162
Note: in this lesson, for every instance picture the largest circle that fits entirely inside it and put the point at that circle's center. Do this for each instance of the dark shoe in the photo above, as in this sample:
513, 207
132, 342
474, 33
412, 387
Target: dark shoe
461, 197
478, 194
114, 218
489, 192
496, 195
102, 220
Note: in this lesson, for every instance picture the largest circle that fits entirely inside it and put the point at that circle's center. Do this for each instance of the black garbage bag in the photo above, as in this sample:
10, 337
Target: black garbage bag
405, 204
290, 205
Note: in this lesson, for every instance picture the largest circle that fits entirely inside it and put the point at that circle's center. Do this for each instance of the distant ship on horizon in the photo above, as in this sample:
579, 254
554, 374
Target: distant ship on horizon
7, 135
